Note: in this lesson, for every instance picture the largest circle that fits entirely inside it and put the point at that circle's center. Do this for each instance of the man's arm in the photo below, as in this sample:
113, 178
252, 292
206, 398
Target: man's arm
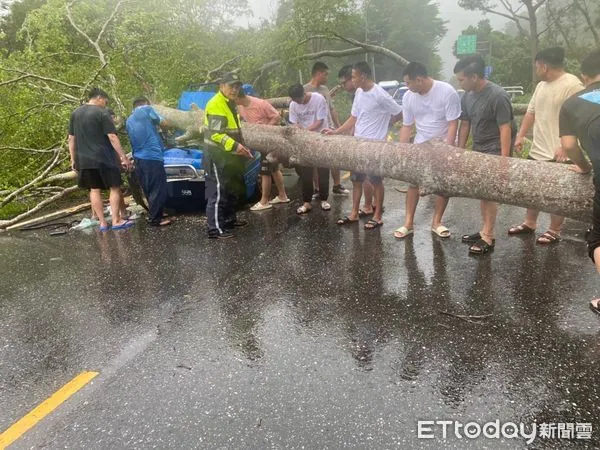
528, 122
505, 139
405, 133
72, 151
463, 133
570, 144
334, 116
116, 145
315, 125
452, 129
346, 128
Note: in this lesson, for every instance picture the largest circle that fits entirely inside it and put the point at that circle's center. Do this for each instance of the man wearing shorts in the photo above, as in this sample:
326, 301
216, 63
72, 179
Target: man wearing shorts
93, 142
554, 88
433, 108
318, 83
259, 111
487, 114
579, 122
373, 110
308, 110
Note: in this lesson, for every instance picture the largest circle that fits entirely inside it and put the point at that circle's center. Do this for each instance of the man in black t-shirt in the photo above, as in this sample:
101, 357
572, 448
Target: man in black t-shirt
579, 122
93, 142
486, 114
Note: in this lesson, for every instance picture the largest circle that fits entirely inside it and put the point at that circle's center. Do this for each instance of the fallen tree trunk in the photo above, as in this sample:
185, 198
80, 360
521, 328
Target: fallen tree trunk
435, 167
50, 217
7, 223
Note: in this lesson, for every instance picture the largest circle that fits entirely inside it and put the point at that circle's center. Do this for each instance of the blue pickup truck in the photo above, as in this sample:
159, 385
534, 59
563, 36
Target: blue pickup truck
185, 173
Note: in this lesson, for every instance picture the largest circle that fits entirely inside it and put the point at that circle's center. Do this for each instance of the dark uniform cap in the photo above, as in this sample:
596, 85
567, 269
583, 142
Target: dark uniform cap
231, 78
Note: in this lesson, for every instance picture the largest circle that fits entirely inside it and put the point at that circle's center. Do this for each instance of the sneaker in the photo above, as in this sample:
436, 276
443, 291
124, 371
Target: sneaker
325, 206
340, 190
224, 235
316, 195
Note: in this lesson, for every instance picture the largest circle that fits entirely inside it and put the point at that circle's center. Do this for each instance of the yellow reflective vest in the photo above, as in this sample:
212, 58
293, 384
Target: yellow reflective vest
221, 124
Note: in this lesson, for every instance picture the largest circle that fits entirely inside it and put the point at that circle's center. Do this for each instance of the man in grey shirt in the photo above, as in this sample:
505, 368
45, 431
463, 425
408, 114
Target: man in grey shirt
487, 114
318, 83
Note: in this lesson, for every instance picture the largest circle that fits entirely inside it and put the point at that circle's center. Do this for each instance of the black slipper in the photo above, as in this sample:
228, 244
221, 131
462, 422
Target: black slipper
372, 224
346, 220
481, 247
471, 238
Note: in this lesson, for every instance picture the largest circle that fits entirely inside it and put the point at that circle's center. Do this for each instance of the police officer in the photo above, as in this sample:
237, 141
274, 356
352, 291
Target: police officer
225, 159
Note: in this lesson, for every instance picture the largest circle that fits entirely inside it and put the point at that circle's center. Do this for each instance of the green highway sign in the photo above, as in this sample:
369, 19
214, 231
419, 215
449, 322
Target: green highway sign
466, 44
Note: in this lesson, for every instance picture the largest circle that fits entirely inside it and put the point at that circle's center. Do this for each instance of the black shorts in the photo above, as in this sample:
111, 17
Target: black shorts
267, 167
105, 178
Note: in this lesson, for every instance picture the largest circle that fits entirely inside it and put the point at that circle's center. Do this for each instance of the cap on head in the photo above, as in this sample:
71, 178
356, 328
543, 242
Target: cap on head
247, 89
231, 79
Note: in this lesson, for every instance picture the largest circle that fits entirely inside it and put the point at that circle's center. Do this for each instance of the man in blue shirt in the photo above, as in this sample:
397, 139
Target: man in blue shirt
142, 127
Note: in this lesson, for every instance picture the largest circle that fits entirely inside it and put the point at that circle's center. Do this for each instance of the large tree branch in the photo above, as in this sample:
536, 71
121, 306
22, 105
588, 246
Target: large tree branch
7, 223
26, 75
32, 183
435, 166
210, 74
438, 168
360, 48
96, 45
108, 21
371, 48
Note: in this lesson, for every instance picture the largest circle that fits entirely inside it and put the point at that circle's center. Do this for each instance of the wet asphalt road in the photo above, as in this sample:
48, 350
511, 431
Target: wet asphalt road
297, 334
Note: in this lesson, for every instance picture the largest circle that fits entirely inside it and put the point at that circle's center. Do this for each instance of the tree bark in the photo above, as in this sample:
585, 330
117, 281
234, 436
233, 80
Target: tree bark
435, 167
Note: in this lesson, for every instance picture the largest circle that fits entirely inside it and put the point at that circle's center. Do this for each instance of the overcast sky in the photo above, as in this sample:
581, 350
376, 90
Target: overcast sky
458, 19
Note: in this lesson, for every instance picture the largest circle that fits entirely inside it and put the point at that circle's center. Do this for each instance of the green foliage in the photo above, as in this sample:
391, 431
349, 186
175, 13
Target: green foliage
158, 48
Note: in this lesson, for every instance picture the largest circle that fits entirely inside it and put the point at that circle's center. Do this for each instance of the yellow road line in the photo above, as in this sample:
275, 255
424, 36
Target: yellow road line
16, 430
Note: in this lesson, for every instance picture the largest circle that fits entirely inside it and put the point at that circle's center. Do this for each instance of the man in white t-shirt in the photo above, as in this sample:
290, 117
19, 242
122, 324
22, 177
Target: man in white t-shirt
555, 87
373, 110
318, 83
433, 108
309, 110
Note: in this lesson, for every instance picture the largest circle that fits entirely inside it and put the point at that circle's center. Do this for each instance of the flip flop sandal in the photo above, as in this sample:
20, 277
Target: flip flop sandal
481, 247
471, 238
346, 220
303, 210
548, 238
441, 231
520, 229
104, 228
278, 201
372, 224
260, 207
123, 226
362, 213
325, 206
595, 305
405, 232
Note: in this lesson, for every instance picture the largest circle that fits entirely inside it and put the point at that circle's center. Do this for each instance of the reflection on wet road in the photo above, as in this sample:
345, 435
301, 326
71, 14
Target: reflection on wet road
297, 333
